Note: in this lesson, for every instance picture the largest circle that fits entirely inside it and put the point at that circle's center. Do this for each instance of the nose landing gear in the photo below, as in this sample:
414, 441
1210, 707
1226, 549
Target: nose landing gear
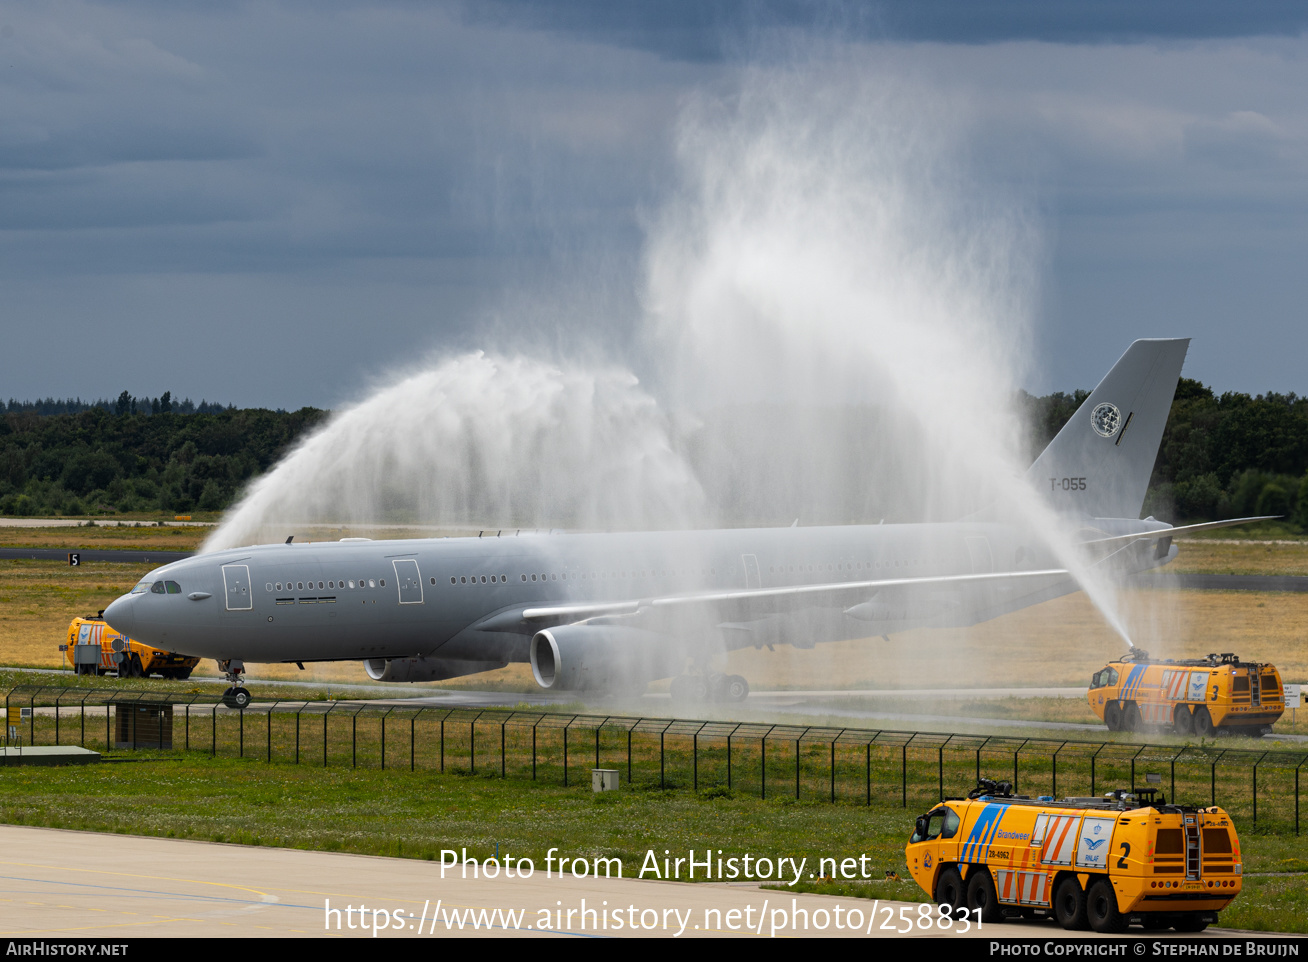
237, 696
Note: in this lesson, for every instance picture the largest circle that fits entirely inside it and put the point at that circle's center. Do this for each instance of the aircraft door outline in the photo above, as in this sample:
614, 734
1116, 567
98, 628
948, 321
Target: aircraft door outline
236, 581
752, 578
408, 580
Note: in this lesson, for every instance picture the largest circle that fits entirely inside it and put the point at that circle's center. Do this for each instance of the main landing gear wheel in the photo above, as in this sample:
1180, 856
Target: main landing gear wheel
689, 689
732, 688
236, 698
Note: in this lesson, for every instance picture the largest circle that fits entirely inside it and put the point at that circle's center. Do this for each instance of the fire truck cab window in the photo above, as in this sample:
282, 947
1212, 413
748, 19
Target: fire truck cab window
1105, 678
942, 823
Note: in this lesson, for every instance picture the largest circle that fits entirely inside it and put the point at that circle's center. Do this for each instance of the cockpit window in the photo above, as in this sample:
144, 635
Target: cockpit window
141, 588
157, 588
173, 587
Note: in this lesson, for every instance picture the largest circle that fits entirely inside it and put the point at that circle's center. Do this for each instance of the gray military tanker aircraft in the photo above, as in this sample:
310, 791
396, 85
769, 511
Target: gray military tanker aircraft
614, 611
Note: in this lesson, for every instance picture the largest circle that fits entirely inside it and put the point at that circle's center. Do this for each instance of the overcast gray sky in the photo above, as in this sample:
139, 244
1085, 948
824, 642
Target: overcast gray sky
276, 204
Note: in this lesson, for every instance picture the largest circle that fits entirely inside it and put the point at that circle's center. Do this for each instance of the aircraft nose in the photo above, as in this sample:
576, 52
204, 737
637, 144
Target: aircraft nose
119, 615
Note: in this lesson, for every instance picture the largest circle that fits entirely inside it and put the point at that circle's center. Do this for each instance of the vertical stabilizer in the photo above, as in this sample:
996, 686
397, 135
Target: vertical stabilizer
1099, 464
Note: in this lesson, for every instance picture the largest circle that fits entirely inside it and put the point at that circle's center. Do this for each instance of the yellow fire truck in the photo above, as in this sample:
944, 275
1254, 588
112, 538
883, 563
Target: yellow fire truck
94, 648
1201, 695
1100, 863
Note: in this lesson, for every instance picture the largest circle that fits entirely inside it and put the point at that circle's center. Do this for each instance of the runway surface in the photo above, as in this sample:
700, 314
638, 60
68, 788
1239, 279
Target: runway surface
56, 883
94, 554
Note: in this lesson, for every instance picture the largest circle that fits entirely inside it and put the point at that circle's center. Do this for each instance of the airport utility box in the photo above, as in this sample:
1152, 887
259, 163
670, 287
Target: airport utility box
604, 779
143, 726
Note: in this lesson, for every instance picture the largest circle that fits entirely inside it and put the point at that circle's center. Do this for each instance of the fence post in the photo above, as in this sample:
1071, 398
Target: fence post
868, 751
213, 734
442, 745
1296, 798
694, 763
662, 781
833, 768
270, 711
533, 750
729, 759
1255, 786
763, 767
797, 741
297, 733
903, 774
503, 764
597, 733
940, 769
628, 756
565, 755
413, 734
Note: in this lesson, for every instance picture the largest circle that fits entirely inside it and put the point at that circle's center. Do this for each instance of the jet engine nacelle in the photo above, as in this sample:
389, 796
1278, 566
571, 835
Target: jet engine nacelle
603, 657
425, 669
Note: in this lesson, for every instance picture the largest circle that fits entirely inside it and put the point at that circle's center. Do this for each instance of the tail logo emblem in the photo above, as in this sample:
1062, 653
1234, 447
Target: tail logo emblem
1106, 419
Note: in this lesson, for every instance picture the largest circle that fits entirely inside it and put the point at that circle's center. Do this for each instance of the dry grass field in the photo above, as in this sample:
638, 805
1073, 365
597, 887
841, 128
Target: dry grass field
1059, 643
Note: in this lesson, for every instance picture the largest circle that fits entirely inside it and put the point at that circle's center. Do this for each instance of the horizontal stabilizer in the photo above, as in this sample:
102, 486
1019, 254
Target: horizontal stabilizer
1181, 529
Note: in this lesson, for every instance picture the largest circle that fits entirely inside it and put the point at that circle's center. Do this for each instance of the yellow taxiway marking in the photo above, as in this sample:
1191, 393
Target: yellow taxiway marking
263, 896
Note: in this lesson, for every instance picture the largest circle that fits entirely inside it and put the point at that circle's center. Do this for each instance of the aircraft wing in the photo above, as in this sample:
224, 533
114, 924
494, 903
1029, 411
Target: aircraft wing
741, 603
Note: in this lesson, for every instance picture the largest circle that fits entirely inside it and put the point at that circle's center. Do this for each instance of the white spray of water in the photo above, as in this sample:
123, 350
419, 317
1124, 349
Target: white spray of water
826, 251
476, 440
830, 262
831, 246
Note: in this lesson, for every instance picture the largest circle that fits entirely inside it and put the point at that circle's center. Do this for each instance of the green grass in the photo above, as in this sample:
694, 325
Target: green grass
417, 815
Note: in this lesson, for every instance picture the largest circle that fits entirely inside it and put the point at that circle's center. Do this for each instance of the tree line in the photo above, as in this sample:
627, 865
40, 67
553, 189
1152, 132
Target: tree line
1222, 456
138, 457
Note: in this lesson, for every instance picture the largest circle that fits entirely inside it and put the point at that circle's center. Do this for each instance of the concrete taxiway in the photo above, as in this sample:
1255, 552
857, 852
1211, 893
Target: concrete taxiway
65, 884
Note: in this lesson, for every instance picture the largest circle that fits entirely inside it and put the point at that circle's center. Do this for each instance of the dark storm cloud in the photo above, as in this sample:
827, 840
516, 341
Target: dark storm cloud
350, 185
703, 30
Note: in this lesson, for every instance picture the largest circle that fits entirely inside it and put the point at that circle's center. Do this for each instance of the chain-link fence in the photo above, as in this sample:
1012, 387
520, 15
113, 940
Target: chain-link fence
1256, 784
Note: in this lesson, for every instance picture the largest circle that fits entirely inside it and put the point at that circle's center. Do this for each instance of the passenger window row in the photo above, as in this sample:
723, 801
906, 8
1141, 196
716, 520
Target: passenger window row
301, 585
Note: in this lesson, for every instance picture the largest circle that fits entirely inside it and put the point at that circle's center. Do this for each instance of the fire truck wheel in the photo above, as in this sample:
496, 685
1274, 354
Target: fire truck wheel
981, 895
1131, 720
1190, 922
950, 891
1182, 720
1203, 722
1069, 905
1113, 716
1101, 907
